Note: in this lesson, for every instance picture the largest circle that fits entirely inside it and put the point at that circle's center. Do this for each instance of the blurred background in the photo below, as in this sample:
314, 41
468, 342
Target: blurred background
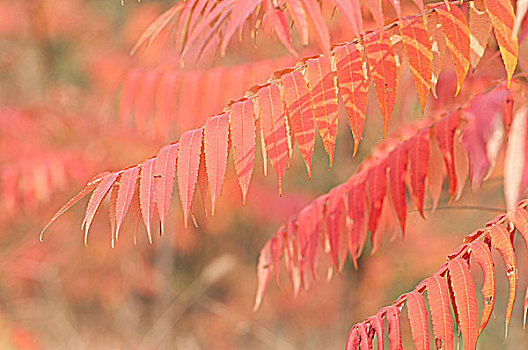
74, 103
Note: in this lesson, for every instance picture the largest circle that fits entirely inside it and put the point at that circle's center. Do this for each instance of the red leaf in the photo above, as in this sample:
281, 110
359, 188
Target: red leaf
95, 201
243, 141
324, 100
239, 13
273, 119
188, 163
216, 151
500, 239
334, 215
418, 150
438, 297
465, 298
383, 71
456, 31
418, 319
299, 17
397, 160
352, 12
481, 252
165, 170
300, 111
352, 80
316, 16
419, 55
503, 19
127, 185
357, 216
279, 25
147, 194
87, 189
377, 183
393, 317
376, 322
445, 132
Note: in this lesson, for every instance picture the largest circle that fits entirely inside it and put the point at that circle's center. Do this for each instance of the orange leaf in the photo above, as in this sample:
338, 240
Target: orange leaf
481, 252
147, 194
165, 169
438, 46
519, 217
300, 111
456, 32
216, 151
438, 297
383, 71
127, 185
324, 100
418, 149
465, 299
273, 122
479, 31
352, 80
445, 132
503, 19
188, 163
243, 140
500, 239
419, 55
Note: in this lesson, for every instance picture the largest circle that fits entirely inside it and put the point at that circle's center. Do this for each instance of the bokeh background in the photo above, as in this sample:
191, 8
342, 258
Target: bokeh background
64, 69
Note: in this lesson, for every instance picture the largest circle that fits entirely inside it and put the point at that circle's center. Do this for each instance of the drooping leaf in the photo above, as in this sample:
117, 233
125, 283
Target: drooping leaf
357, 208
264, 273
124, 196
280, 25
445, 133
324, 100
95, 201
243, 140
352, 12
241, 10
299, 17
352, 339
383, 71
418, 319
321, 29
438, 297
377, 184
352, 80
216, 151
87, 189
418, 150
375, 8
300, 111
393, 317
479, 31
465, 298
147, 194
376, 323
503, 19
519, 217
112, 210
419, 55
273, 122
334, 215
397, 163
438, 47
165, 172
500, 239
456, 32
481, 252
188, 164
